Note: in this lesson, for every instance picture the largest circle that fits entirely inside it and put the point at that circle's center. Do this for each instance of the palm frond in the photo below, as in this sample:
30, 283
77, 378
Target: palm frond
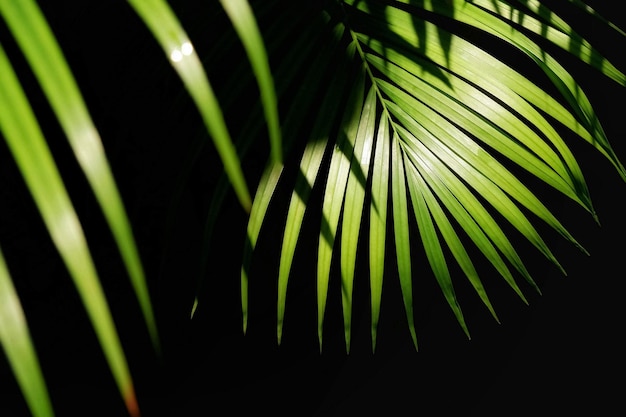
465, 94
410, 130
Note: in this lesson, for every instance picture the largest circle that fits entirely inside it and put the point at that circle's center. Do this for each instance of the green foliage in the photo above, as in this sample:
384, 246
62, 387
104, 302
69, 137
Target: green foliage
421, 126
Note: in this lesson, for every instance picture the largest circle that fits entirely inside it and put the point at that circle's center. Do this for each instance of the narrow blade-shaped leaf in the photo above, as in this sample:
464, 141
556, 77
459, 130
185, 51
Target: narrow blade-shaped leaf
242, 17
426, 182
444, 140
401, 232
262, 199
334, 191
422, 201
378, 221
52, 71
478, 224
18, 347
353, 204
34, 160
165, 27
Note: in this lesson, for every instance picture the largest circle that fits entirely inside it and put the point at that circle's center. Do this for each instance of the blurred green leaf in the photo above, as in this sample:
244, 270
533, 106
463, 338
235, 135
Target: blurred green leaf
18, 347
46, 59
30, 151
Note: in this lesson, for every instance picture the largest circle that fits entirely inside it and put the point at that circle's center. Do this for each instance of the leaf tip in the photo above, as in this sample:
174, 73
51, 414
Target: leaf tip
130, 399
373, 339
319, 338
414, 337
279, 332
596, 218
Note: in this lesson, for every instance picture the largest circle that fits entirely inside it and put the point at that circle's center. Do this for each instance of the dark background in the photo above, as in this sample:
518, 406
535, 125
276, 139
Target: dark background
561, 353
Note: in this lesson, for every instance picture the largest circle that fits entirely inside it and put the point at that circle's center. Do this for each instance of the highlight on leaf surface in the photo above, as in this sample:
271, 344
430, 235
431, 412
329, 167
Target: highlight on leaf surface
168, 31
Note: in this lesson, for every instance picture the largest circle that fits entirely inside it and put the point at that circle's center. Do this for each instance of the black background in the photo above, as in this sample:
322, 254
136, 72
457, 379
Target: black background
560, 354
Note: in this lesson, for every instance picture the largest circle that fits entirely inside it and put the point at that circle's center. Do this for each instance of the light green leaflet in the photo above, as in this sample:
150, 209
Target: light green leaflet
452, 137
242, 17
437, 180
30, 151
551, 27
564, 81
423, 201
378, 221
466, 209
494, 124
334, 193
469, 212
46, 59
487, 189
401, 231
309, 167
167, 30
353, 205
18, 346
47, 62
284, 75
262, 199
465, 61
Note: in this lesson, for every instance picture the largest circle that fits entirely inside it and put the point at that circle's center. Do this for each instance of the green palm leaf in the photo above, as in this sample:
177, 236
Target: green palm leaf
308, 170
334, 194
423, 125
424, 205
18, 347
454, 121
33, 157
378, 221
245, 24
168, 31
401, 229
46, 59
37, 42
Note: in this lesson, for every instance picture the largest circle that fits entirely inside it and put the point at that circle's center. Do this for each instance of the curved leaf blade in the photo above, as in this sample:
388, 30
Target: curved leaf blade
353, 205
52, 71
401, 232
18, 347
423, 201
334, 193
378, 221
262, 199
242, 17
165, 27
34, 159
